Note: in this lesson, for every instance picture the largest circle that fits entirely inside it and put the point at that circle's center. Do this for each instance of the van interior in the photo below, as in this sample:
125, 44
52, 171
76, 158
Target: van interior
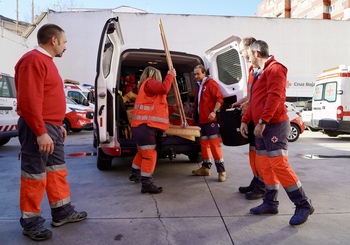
133, 63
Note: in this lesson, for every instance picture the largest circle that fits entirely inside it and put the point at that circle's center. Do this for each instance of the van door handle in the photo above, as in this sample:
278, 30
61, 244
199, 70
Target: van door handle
100, 110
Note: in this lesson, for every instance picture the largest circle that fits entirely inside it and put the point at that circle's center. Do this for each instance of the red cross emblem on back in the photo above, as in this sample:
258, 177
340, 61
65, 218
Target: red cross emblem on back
274, 139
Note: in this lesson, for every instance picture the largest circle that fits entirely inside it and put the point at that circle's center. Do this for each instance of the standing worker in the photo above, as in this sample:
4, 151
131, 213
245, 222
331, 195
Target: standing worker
41, 108
256, 188
208, 101
272, 127
150, 115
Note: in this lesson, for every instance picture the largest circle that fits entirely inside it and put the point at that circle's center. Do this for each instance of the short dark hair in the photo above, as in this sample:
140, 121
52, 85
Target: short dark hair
47, 31
260, 46
202, 68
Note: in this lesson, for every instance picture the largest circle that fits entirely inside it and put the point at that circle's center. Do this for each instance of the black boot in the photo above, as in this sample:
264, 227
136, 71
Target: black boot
303, 206
248, 188
148, 186
258, 191
135, 175
269, 205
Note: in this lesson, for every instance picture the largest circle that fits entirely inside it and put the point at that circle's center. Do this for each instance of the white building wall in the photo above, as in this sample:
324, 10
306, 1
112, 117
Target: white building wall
304, 46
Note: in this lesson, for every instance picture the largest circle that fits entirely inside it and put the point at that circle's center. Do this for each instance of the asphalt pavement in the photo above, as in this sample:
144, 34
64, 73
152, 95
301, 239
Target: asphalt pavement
192, 209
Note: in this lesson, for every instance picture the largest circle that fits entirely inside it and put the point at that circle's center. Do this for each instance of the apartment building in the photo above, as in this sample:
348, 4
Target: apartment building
309, 9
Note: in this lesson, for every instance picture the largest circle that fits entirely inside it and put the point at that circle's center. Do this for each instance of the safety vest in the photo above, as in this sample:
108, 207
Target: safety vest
150, 110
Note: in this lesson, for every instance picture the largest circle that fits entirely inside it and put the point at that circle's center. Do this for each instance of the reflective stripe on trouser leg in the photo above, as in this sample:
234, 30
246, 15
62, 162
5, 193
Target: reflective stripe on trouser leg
252, 156
205, 149
270, 179
136, 163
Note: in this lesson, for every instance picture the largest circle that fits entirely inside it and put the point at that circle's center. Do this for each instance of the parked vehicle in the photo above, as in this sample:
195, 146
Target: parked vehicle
8, 109
80, 94
112, 134
307, 114
296, 122
77, 117
331, 101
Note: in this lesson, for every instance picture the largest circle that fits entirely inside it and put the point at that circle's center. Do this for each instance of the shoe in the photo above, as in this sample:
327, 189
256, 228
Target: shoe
74, 217
252, 195
222, 177
202, 171
151, 189
301, 215
245, 189
264, 209
135, 178
38, 232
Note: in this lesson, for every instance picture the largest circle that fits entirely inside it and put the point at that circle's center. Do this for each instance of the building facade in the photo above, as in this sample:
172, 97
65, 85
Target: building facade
308, 9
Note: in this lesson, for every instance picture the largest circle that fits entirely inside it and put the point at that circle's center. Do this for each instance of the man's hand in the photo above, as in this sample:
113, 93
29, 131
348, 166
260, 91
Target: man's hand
64, 133
259, 129
244, 107
244, 130
45, 144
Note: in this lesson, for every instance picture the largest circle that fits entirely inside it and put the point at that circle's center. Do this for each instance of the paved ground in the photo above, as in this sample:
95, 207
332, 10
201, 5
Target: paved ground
191, 210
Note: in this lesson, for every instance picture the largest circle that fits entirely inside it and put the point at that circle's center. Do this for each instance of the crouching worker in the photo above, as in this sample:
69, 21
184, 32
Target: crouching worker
150, 115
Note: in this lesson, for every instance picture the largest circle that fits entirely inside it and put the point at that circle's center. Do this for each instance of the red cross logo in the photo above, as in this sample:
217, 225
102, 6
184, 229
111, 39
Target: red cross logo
330, 91
274, 139
288, 84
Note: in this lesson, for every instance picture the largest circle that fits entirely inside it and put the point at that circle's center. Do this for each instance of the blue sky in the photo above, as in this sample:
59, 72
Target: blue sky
205, 7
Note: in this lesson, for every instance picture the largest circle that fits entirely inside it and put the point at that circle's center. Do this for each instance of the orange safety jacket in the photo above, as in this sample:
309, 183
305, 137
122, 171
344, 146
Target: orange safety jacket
150, 110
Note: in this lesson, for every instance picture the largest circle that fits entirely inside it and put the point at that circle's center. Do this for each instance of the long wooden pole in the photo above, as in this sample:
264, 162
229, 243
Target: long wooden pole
175, 86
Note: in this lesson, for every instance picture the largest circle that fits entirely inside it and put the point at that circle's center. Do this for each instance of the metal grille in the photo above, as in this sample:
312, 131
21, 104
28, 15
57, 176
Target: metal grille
229, 67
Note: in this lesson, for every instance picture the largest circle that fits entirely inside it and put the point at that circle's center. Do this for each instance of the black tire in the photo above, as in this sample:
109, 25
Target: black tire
66, 125
195, 157
76, 130
294, 132
104, 162
313, 129
4, 141
331, 133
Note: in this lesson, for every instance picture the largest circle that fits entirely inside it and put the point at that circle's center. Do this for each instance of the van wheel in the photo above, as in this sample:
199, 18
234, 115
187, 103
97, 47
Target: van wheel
4, 141
76, 130
104, 162
294, 132
66, 125
331, 133
195, 157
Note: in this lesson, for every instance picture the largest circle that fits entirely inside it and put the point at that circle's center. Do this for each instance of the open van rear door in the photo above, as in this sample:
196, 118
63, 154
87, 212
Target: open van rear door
228, 68
106, 77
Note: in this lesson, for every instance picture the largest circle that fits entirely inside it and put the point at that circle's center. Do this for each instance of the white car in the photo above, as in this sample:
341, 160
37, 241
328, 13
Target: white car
8, 109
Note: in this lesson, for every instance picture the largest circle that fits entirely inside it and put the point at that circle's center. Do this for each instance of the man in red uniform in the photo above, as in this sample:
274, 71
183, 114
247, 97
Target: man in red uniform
42, 107
268, 112
256, 188
208, 101
150, 115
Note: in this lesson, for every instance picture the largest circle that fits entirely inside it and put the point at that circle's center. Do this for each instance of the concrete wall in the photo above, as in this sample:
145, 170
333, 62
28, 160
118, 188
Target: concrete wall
304, 46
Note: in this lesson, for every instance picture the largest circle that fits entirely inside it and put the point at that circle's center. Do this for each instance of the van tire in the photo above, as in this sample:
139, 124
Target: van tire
104, 162
195, 157
66, 125
331, 133
294, 132
76, 130
4, 141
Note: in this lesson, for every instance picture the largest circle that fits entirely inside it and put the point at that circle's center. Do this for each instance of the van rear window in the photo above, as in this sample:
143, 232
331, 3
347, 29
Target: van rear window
326, 92
7, 88
229, 67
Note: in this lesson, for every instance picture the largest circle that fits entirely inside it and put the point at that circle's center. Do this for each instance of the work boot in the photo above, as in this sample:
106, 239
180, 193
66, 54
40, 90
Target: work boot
38, 232
202, 171
253, 195
222, 177
249, 188
301, 215
152, 189
264, 209
74, 217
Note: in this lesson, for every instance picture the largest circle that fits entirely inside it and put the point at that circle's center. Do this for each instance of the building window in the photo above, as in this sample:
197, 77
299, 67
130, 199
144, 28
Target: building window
332, 8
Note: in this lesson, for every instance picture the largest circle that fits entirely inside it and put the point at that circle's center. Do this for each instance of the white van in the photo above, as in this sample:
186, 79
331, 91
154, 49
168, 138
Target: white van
79, 94
114, 63
331, 101
8, 109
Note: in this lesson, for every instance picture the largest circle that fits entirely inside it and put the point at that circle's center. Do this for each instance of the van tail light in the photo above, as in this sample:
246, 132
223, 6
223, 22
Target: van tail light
340, 113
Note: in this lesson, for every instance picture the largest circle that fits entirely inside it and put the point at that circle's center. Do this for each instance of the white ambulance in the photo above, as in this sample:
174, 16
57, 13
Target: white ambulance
8, 109
331, 101
79, 94
115, 62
